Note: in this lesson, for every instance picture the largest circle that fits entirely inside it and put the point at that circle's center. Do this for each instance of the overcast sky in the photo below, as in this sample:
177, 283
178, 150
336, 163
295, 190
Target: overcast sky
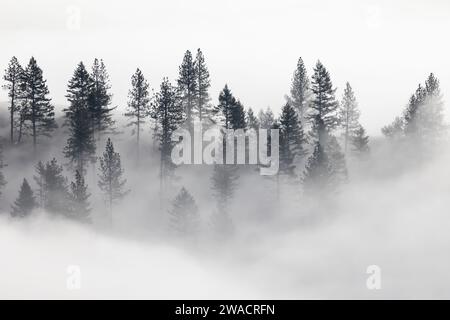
383, 48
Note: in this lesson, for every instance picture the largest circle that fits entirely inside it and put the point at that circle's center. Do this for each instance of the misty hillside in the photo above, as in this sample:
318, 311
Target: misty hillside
183, 193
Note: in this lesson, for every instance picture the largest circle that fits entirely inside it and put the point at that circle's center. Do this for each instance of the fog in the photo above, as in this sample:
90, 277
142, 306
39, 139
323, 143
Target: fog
393, 213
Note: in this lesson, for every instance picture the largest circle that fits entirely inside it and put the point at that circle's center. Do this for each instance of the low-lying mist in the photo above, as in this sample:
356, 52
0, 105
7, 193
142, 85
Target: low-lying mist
392, 213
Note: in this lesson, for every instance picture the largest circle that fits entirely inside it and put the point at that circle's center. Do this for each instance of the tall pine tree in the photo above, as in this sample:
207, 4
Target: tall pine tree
111, 180
202, 105
168, 113
187, 86
80, 147
13, 76
2, 165
292, 140
38, 109
100, 99
138, 104
300, 91
348, 115
324, 105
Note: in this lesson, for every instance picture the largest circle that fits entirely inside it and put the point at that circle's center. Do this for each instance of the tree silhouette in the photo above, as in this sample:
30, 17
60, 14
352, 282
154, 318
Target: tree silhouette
25, 202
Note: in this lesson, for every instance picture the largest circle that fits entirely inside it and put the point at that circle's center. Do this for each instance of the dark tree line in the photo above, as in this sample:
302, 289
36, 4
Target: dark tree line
31, 111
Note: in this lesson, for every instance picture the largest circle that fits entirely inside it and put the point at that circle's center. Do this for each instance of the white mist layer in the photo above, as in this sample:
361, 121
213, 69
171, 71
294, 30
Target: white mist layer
400, 223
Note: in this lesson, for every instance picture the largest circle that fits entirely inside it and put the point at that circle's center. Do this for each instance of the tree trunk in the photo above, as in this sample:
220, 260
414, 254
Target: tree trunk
12, 114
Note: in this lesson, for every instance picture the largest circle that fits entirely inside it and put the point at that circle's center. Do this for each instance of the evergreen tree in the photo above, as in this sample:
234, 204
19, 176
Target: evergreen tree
300, 91
433, 118
223, 185
324, 114
25, 202
187, 87
292, 140
238, 120
230, 112
412, 114
13, 76
138, 104
337, 162
80, 147
422, 120
223, 110
79, 198
348, 115
111, 180
168, 114
202, 106
2, 165
266, 118
395, 129
52, 187
360, 142
252, 121
100, 99
38, 109
317, 177
184, 213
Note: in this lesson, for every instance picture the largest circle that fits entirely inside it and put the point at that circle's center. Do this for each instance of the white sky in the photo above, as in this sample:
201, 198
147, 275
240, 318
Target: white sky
383, 48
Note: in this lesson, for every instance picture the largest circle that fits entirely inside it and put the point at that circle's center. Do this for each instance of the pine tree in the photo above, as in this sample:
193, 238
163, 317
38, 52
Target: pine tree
252, 121
348, 115
230, 112
412, 114
2, 165
292, 140
79, 198
266, 118
395, 129
184, 214
138, 104
111, 180
168, 113
187, 87
360, 142
223, 185
300, 91
317, 177
238, 120
13, 76
433, 117
223, 110
25, 202
100, 99
80, 147
324, 114
202, 106
52, 187
337, 162
38, 109
422, 120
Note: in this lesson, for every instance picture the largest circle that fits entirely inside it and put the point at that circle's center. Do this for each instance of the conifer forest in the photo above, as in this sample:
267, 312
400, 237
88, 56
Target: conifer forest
272, 150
